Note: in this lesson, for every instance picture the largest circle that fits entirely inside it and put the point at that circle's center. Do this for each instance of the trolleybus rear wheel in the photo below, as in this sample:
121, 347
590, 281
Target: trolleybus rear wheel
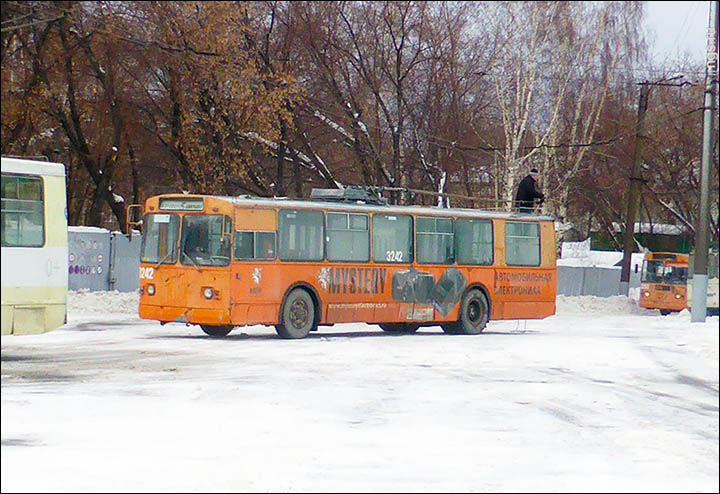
474, 314
297, 316
216, 330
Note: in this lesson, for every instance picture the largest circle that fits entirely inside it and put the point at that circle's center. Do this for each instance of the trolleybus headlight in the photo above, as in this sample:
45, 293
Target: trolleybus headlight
151, 289
208, 292
677, 295
646, 294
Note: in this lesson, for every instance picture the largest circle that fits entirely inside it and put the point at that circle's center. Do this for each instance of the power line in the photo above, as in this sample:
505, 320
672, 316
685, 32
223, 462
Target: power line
29, 24
451, 144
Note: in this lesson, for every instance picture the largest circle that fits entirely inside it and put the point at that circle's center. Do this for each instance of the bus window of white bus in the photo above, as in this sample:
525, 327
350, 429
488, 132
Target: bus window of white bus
22, 211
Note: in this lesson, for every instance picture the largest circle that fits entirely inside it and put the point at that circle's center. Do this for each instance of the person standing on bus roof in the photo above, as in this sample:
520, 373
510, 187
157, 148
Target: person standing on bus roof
527, 193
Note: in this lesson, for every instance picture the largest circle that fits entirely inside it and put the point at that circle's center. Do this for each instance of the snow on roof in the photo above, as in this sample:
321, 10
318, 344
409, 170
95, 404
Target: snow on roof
87, 229
659, 228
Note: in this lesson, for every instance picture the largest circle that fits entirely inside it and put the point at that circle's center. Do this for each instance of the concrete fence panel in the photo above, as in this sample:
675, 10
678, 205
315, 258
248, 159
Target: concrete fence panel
88, 258
125, 262
592, 280
99, 260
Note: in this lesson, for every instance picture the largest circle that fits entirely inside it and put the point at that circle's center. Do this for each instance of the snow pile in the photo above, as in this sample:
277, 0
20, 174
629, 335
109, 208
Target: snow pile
701, 338
87, 302
618, 304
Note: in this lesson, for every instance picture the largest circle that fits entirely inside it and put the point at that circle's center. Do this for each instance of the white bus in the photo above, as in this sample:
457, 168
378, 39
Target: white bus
713, 295
34, 246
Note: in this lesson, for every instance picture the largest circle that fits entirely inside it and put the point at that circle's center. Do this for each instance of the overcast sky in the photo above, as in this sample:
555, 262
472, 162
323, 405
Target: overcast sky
677, 27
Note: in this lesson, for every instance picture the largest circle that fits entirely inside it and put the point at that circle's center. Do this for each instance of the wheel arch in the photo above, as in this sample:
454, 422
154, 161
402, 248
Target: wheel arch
317, 302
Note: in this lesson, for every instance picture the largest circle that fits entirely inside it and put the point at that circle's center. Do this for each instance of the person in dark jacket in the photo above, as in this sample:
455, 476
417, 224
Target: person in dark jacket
527, 193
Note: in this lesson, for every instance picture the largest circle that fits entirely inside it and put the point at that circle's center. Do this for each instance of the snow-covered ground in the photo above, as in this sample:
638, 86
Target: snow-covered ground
602, 397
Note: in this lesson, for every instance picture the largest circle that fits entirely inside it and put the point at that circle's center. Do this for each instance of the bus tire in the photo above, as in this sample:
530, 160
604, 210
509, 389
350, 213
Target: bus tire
297, 316
399, 327
665, 312
474, 314
216, 330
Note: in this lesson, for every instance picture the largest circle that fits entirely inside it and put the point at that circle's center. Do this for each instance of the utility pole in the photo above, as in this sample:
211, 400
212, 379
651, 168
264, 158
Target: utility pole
700, 276
636, 179
634, 193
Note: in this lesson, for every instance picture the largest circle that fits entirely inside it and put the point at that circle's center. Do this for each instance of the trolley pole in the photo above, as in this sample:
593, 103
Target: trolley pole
700, 275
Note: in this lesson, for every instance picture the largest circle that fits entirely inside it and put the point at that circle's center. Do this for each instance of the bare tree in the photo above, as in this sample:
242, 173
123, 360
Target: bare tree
559, 64
272, 98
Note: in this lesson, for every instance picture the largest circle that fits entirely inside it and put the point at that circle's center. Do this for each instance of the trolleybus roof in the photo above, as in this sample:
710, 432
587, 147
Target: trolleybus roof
344, 206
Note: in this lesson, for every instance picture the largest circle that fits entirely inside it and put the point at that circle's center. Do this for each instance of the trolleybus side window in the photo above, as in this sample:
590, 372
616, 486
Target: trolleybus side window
159, 240
265, 245
22, 211
392, 238
435, 240
205, 240
522, 244
474, 241
300, 235
348, 238
244, 245
254, 245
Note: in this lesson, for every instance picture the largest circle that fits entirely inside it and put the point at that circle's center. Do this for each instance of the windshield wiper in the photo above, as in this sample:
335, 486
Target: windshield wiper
192, 261
163, 259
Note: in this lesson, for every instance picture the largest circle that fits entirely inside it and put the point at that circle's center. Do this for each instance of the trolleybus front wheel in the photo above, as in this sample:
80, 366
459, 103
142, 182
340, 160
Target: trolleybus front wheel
216, 330
297, 316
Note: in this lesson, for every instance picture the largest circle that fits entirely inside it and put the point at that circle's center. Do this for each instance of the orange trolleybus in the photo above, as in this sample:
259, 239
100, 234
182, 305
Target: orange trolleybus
222, 262
663, 282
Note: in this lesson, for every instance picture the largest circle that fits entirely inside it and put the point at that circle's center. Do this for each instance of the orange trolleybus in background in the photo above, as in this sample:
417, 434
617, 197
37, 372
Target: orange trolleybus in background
663, 282
221, 262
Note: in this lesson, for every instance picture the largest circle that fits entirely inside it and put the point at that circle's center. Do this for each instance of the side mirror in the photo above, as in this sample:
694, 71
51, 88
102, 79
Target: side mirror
133, 217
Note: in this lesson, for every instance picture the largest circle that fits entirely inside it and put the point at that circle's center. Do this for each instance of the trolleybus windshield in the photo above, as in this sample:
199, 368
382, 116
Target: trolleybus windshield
661, 272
